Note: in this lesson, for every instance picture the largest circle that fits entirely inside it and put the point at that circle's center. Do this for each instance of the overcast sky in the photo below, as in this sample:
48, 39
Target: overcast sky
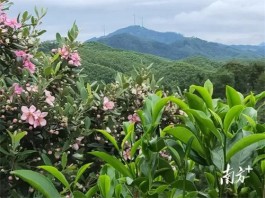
224, 21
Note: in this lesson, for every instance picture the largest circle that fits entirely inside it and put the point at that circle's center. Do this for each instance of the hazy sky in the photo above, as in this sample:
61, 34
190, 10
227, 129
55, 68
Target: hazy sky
224, 21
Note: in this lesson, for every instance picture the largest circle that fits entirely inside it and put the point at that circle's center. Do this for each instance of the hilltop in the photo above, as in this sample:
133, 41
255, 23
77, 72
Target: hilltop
175, 46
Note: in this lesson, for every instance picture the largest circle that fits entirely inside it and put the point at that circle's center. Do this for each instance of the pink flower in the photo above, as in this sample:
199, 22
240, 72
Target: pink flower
76, 145
32, 88
107, 104
74, 59
49, 98
28, 114
134, 118
12, 23
17, 89
29, 66
64, 52
39, 118
3, 17
126, 154
20, 53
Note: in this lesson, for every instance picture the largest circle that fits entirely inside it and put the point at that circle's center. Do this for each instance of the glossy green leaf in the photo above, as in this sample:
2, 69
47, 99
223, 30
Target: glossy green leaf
46, 159
129, 131
233, 97
104, 186
118, 190
110, 138
91, 192
114, 162
243, 143
258, 158
231, 115
179, 102
64, 160
57, 174
39, 182
208, 85
204, 94
183, 134
202, 118
179, 184
195, 102
135, 147
81, 171
79, 194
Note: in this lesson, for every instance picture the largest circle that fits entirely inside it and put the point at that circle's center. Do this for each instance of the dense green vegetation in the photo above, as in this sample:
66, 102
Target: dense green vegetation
101, 62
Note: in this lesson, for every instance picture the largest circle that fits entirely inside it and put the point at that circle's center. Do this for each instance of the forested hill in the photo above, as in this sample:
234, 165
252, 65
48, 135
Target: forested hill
102, 63
175, 46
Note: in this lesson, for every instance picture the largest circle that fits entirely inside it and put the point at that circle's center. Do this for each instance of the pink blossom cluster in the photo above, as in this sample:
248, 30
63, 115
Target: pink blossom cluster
49, 98
73, 58
107, 104
17, 89
27, 64
5, 21
32, 88
33, 116
134, 118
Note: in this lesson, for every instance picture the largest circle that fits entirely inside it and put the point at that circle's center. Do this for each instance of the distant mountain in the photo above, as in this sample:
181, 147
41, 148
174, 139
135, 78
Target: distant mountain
175, 46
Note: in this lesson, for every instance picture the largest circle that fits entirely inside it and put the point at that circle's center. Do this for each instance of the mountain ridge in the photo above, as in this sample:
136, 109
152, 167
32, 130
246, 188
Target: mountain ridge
175, 46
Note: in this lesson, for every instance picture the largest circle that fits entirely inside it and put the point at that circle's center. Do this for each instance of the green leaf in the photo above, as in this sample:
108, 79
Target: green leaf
57, 68
16, 137
118, 190
183, 134
258, 158
260, 96
46, 159
4, 151
179, 102
64, 160
91, 192
81, 171
209, 86
135, 147
262, 166
230, 116
114, 162
39, 182
210, 179
233, 97
84, 94
104, 186
243, 143
110, 138
57, 174
254, 181
204, 94
87, 122
158, 190
189, 186
195, 102
202, 118
130, 131
79, 194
